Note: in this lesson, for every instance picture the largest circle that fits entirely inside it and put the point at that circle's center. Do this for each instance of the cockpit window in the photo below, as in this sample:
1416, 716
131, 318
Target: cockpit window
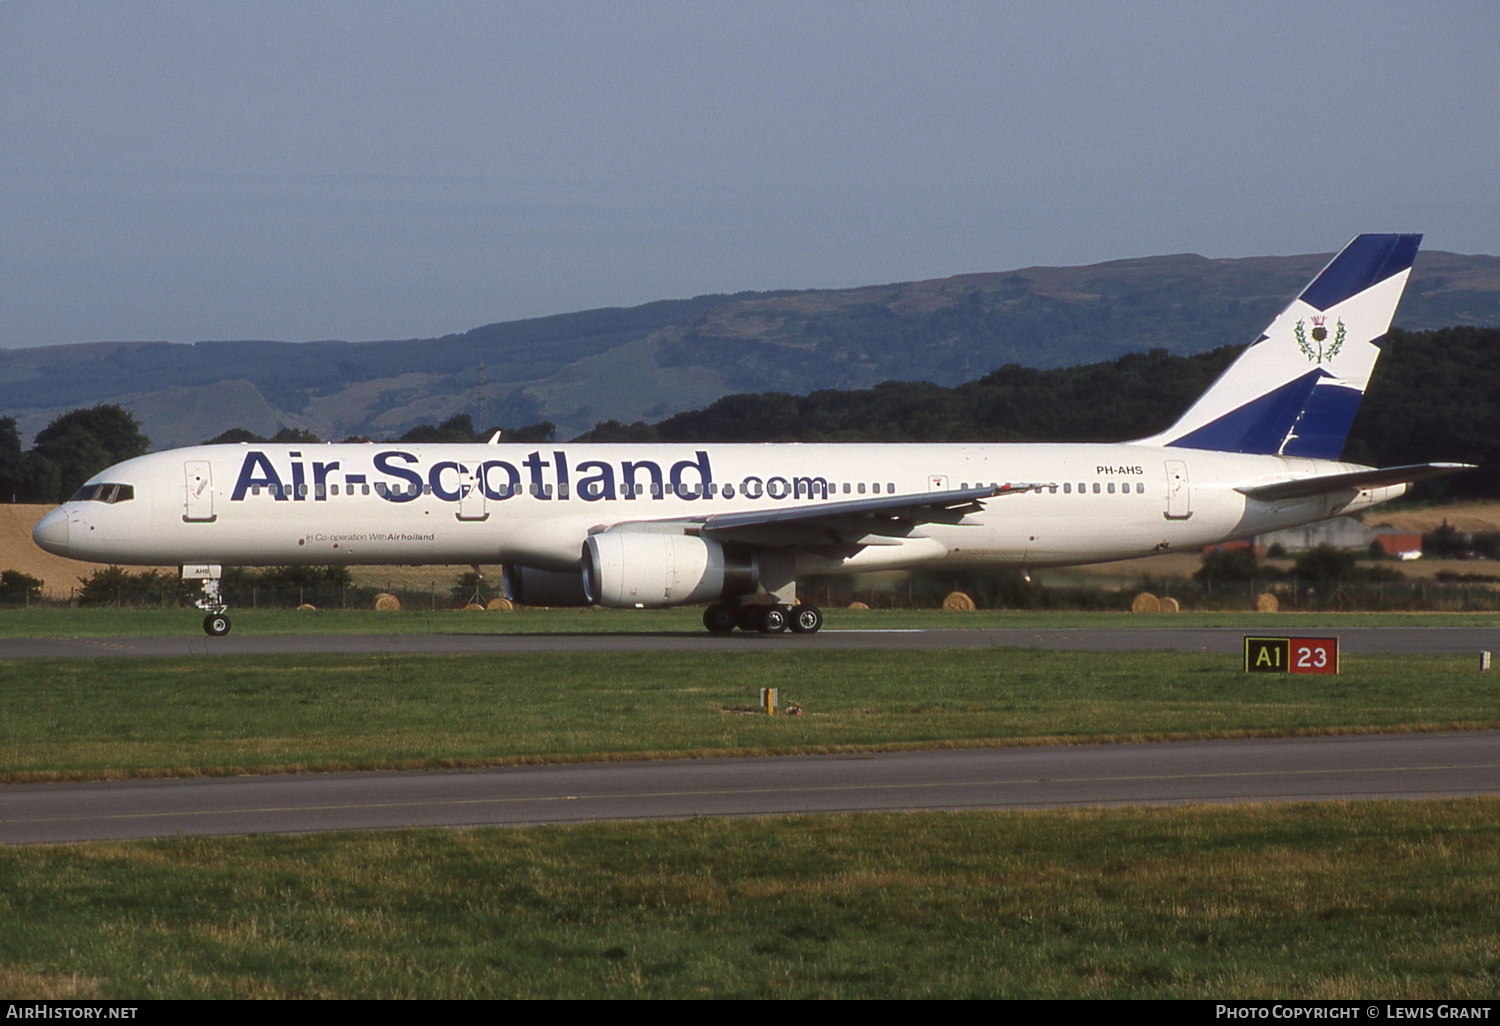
107, 492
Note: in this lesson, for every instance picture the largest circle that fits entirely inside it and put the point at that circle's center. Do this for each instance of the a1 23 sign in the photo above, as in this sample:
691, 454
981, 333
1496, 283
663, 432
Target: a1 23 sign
1291, 655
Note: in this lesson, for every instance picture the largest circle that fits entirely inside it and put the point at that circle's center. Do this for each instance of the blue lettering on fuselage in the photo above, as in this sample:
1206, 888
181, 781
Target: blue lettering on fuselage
411, 477
400, 476
257, 472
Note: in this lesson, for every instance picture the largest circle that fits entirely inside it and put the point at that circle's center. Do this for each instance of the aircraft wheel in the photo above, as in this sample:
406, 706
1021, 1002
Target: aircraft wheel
807, 620
720, 618
773, 619
216, 625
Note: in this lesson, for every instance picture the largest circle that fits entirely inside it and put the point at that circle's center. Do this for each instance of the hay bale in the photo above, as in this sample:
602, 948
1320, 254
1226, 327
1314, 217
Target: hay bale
474, 606
1170, 605
1146, 602
958, 602
385, 602
307, 605
1265, 602
500, 604
858, 605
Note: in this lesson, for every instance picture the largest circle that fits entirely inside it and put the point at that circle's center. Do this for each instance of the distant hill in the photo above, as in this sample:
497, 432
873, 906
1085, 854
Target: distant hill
651, 361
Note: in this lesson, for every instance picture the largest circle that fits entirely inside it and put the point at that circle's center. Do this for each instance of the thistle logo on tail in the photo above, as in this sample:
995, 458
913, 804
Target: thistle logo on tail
1319, 336
1270, 401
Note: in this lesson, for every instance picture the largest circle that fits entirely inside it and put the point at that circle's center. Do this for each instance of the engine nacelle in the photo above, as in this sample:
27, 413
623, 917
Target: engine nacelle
641, 569
532, 587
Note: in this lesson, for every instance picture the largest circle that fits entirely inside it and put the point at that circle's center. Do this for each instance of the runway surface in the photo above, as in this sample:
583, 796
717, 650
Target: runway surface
1303, 769
1228, 640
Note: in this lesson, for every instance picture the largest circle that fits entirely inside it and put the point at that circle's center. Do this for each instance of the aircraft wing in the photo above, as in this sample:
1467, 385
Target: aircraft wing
923, 507
863, 521
1358, 479
868, 521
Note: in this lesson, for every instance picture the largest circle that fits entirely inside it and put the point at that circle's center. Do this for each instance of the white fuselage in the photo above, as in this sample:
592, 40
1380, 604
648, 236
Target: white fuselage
535, 505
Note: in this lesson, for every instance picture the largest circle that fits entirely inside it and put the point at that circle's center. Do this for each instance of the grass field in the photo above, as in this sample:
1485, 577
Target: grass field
1389, 900
1336, 900
93, 718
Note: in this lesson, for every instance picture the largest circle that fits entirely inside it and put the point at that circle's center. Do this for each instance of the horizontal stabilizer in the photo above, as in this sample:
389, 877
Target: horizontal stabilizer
1359, 479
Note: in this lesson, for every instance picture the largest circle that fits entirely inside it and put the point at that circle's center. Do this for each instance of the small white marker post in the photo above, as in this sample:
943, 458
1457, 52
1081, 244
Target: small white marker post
768, 699
1484, 660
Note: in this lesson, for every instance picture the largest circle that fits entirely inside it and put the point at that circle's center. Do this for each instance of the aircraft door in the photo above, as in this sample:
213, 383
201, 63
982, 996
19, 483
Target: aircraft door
470, 496
199, 505
1179, 491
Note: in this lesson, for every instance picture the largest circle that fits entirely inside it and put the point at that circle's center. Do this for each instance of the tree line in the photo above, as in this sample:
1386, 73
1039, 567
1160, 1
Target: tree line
1433, 398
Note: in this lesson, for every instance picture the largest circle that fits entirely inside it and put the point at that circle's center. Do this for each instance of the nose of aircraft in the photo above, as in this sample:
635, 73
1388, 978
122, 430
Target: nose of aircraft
51, 533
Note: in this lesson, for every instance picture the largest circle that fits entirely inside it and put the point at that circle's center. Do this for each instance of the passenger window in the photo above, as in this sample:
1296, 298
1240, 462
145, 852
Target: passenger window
1096, 487
1067, 488
364, 489
861, 488
1111, 488
1140, 488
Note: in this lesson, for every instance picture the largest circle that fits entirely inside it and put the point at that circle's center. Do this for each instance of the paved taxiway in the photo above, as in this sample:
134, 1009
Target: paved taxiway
1298, 769
1390, 766
1228, 640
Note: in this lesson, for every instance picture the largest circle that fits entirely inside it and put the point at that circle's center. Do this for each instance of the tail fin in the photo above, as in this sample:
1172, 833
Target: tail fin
1294, 392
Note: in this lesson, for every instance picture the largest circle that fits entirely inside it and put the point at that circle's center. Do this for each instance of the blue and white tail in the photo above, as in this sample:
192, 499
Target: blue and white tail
1294, 392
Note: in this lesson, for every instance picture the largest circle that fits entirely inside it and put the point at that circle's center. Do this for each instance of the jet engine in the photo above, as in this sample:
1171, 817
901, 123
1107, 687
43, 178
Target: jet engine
532, 587
642, 569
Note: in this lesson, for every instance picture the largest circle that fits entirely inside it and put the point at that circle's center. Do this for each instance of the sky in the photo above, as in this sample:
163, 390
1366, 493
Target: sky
378, 170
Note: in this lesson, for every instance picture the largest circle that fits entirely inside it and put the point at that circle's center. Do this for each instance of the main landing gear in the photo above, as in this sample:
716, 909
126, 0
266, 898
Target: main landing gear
721, 618
215, 624
778, 576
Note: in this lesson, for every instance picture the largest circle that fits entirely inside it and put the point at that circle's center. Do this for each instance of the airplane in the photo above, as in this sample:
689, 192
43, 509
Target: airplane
735, 525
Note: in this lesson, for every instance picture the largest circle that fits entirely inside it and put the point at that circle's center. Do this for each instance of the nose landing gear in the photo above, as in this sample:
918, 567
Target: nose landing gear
215, 624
